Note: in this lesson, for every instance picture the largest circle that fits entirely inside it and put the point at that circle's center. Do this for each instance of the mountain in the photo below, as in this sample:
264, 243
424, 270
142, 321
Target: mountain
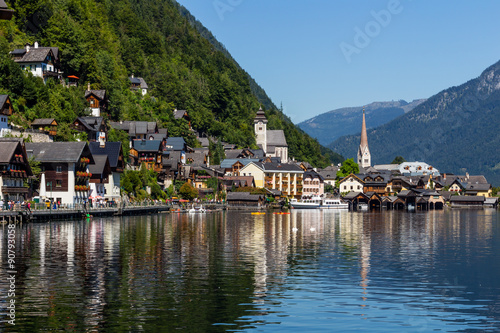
105, 42
329, 126
257, 90
455, 131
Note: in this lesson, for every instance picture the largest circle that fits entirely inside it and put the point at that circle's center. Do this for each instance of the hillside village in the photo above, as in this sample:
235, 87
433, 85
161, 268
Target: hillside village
92, 170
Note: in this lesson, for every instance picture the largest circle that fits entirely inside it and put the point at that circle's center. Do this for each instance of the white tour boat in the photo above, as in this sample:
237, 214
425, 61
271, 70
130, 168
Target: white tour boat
334, 204
306, 203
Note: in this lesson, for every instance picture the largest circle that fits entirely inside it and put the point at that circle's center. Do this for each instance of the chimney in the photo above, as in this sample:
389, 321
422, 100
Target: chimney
88, 86
35, 45
132, 75
27, 47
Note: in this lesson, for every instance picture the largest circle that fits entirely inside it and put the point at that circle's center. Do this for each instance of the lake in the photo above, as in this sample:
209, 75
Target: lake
310, 271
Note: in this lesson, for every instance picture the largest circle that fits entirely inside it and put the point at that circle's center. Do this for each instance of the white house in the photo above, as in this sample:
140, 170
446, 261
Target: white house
40, 61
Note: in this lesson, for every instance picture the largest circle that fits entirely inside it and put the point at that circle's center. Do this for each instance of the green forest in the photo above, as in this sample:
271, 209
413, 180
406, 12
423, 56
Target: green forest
104, 42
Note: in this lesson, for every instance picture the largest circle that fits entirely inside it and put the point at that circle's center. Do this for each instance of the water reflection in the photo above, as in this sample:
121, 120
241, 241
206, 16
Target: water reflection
324, 270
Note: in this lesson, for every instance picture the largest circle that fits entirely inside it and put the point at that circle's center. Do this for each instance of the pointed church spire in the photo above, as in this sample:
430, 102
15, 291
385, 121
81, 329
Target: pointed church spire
364, 157
364, 138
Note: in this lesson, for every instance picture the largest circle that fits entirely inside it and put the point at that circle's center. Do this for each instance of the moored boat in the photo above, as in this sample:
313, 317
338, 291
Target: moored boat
334, 204
306, 203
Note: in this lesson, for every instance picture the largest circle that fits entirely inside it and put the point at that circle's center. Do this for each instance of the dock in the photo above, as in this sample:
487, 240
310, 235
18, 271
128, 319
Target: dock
78, 212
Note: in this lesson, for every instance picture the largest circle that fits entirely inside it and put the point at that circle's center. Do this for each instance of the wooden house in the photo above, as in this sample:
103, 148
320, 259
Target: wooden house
96, 100
65, 172
114, 153
244, 199
45, 125
100, 172
147, 152
14, 170
467, 201
94, 127
5, 12
5, 111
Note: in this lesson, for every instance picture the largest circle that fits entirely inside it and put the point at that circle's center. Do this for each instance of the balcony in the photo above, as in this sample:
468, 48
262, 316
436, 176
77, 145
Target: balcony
14, 190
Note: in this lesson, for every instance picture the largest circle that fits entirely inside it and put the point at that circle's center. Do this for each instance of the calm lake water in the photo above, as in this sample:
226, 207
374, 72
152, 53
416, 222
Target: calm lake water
310, 271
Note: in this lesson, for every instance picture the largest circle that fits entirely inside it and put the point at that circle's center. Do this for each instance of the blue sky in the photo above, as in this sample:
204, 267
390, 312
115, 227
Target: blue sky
321, 55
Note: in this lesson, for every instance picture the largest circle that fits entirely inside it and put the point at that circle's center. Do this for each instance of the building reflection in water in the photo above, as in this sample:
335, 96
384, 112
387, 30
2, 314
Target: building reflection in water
165, 263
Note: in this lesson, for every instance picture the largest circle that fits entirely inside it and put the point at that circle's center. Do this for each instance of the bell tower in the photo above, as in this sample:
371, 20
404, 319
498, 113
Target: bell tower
260, 128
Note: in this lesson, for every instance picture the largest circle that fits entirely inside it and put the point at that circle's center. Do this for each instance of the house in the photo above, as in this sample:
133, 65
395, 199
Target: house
114, 153
94, 127
355, 198
484, 190
5, 112
136, 129
244, 199
233, 166
5, 13
138, 84
65, 172
230, 182
255, 170
147, 152
375, 182
100, 172
182, 114
398, 184
171, 166
313, 183
417, 169
45, 125
467, 201
351, 183
457, 186
329, 175
197, 158
286, 177
14, 170
97, 101
272, 142
40, 61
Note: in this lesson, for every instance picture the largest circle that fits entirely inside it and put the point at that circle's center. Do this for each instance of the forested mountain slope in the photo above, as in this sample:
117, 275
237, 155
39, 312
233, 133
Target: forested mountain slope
104, 42
455, 130
329, 126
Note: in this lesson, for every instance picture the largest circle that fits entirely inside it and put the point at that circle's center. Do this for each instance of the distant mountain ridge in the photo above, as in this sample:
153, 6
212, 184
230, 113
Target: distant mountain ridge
329, 126
455, 130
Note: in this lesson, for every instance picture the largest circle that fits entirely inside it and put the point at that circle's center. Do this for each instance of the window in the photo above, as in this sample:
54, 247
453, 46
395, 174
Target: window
58, 169
58, 183
351, 187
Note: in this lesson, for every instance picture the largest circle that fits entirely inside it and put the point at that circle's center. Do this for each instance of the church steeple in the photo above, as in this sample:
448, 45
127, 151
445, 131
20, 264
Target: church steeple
260, 128
364, 157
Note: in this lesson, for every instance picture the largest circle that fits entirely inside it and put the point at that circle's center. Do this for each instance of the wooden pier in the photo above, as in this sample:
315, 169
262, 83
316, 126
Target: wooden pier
41, 215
